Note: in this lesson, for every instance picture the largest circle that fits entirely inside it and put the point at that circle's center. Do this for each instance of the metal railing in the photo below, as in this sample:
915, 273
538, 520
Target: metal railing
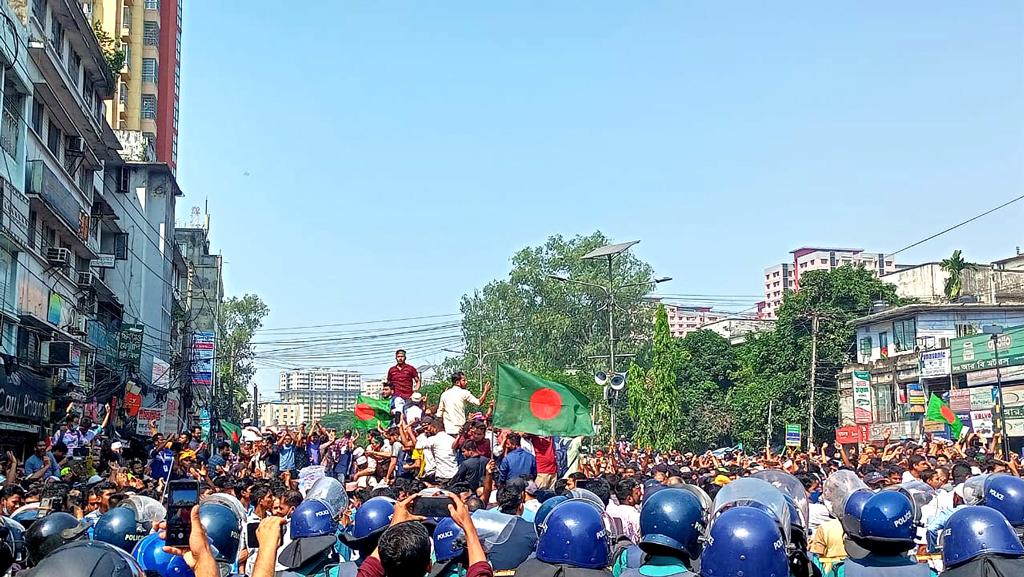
9, 133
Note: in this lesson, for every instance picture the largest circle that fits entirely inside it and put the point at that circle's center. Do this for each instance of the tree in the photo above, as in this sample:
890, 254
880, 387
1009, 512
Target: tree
239, 320
113, 54
654, 396
955, 265
707, 363
774, 367
337, 421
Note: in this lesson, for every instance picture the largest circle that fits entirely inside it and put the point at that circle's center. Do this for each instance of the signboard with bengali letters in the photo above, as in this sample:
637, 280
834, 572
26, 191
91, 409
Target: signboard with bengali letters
862, 397
978, 352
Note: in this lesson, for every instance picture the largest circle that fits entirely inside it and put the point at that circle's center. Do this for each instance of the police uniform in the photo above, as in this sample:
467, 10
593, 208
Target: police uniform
536, 568
658, 566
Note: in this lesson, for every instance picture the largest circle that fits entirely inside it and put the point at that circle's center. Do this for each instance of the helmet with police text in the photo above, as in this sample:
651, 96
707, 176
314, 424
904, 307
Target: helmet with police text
888, 517
449, 540
671, 520
312, 518
978, 531
546, 507
52, 532
223, 529
370, 520
120, 528
574, 534
744, 541
852, 511
88, 559
1005, 493
17, 536
153, 559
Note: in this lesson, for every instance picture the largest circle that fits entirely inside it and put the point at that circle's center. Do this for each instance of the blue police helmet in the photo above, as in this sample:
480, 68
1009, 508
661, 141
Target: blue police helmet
223, 530
888, 517
1005, 493
977, 531
449, 540
312, 518
120, 528
51, 532
574, 534
371, 519
744, 541
153, 559
853, 510
545, 509
671, 519
89, 559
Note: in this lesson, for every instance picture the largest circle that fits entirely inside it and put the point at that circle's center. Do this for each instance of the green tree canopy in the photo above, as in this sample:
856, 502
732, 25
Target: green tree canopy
239, 320
654, 397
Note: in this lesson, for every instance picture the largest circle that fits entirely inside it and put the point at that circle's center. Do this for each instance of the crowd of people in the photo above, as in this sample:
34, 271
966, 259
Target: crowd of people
440, 491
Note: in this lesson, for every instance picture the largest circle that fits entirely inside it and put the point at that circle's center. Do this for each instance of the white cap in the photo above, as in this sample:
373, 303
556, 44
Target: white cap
246, 422
417, 397
115, 445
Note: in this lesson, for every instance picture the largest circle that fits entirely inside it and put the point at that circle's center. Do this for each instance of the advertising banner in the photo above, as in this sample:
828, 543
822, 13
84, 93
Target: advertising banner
203, 350
129, 345
916, 397
982, 398
850, 435
978, 352
960, 400
862, 397
934, 364
897, 430
792, 435
161, 373
981, 422
149, 421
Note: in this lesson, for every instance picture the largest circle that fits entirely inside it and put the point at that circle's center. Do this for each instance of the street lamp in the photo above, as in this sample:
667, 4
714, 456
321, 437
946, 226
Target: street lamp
994, 331
609, 253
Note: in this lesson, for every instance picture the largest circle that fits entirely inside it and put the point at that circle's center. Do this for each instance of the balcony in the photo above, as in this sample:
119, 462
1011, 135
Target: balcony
57, 204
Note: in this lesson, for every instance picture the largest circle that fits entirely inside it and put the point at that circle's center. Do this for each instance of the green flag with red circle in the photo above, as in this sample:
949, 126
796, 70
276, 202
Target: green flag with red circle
529, 404
939, 411
370, 411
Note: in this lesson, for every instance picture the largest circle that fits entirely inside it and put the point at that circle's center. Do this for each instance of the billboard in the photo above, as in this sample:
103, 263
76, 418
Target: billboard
862, 397
978, 352
203, 349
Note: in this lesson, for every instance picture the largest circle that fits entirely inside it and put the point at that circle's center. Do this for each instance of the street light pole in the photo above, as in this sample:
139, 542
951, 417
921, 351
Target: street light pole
611, 338
994, 331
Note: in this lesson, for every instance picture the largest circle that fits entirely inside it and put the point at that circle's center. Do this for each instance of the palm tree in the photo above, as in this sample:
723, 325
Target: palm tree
955, 265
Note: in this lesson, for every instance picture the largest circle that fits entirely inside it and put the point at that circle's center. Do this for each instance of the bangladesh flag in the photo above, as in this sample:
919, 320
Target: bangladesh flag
530, 404
369, 412
233, 432
939, 411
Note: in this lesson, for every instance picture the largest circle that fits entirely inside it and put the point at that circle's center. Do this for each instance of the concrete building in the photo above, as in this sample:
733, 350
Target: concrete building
201, 291
736, 328
147, 91
784, 277
280, 413
372, 388
683, 319
321, 391
1000, 282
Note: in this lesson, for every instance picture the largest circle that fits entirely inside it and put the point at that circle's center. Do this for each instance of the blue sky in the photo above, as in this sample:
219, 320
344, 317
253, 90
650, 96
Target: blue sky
374, 160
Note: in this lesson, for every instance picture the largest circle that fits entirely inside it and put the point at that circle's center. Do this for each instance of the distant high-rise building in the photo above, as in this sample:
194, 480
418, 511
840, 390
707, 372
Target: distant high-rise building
684, 319
320, 391
147, 87
372, 388
785, 277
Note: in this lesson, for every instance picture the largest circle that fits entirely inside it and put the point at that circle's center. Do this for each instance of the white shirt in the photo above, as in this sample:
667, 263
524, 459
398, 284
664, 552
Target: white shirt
452, 408
630, 518
438, 454
413, 413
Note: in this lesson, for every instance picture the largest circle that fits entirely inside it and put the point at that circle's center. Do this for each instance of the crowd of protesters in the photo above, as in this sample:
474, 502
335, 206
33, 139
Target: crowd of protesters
312, 500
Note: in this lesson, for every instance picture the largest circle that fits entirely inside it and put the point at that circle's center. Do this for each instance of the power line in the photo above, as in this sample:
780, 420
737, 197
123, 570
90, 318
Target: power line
956, 226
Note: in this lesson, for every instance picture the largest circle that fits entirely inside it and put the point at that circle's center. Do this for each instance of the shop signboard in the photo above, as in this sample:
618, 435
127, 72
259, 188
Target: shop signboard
792, 435
849, 435
978, 352
916, 397
981, 422
934, 364
129, 344
960, 400
982, 398
203, 350
991, 376
897, 430
862, 397
148, 419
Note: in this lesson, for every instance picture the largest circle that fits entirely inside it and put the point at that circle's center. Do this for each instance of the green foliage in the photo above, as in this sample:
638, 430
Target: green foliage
337, 421
239, 320
654, 396
704, 378
112, 52
955, 265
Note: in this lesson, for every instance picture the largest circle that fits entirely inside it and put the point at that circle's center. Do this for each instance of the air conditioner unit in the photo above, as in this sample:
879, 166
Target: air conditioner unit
55, 354
80, 327
76, 145
85, 280
58, 256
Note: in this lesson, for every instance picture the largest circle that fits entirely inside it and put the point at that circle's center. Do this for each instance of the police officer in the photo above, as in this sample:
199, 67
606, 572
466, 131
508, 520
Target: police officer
368, 525
573, 543
313, 530
979, 541
86, 559
120, 528
1005, 493
744, 541
223, 531
449, 550
878, 542
671, 523
154, 560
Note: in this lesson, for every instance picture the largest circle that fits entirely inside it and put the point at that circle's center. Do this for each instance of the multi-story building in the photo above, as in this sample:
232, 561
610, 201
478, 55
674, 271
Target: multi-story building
736, 328
321, 391
280, 413
146, 95
201, 289
683, 319
785, 277
372, 388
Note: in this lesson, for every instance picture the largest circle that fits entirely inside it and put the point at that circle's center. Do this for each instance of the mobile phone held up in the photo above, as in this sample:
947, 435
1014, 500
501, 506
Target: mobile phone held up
182, 495
434, 506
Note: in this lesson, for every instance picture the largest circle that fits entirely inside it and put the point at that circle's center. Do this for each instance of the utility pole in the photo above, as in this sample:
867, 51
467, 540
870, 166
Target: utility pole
768, 435
814, 370
255, 405
611, 341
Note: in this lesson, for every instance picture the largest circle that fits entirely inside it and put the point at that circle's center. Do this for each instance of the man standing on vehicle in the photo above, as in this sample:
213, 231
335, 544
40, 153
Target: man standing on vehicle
403, 377
451, 408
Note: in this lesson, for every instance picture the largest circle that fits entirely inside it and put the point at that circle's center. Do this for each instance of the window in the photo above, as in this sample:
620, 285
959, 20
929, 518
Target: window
904, 335
127, 49
74, 65
149, 71
126, 17
865, 348
37, 117
54, 138
149, 106
57, 36
883, 344
150, 33
123, 91
152, 4
151, 136
39, 10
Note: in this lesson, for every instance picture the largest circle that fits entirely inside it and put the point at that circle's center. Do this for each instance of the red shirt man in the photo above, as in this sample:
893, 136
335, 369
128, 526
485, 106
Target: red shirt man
403, 377
547, 462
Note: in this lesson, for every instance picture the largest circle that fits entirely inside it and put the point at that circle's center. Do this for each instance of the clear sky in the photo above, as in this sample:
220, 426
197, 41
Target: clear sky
373, 160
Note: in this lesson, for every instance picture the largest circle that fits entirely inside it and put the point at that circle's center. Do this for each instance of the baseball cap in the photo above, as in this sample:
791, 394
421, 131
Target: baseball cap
417, 397
532, 488
874, 478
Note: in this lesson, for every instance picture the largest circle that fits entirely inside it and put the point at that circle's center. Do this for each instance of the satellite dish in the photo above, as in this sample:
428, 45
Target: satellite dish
601, 378
618, 382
